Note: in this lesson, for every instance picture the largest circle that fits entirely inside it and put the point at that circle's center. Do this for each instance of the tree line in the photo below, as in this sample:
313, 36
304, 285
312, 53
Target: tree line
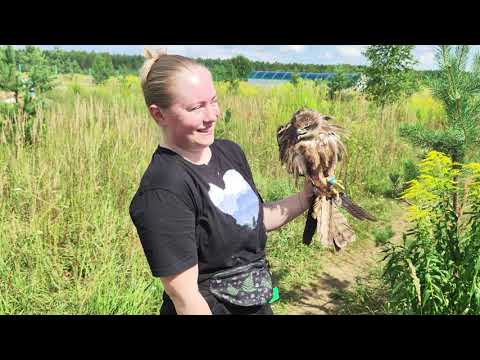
239, 67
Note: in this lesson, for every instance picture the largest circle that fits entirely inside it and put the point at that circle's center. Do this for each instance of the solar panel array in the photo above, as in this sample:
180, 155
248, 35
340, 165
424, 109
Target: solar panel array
281, 75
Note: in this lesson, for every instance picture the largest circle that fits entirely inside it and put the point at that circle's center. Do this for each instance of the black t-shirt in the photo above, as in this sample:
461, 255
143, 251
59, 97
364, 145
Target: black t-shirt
188, 214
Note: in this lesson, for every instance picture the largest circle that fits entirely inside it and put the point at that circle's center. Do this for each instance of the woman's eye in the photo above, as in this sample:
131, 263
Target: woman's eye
195, 108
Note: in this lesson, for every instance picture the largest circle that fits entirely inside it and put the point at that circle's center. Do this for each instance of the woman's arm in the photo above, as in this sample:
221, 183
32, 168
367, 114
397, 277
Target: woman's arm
182, 288
278, 213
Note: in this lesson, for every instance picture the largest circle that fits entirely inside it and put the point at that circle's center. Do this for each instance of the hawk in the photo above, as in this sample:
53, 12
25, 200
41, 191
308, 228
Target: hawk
310, 146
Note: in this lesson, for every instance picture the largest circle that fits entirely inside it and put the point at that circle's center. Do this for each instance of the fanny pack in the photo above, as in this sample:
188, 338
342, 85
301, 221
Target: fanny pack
246, 285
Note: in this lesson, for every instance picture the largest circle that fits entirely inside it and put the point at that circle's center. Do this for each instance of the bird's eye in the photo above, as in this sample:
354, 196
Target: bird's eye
309, 126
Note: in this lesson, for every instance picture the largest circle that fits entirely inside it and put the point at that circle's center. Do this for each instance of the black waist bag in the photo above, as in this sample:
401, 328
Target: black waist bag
246, 285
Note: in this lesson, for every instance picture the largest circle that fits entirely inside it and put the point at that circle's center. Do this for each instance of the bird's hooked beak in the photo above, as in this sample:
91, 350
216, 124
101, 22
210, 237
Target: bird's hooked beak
306, 132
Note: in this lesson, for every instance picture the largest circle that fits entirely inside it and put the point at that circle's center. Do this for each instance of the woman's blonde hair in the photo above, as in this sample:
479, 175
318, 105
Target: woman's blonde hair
157, 73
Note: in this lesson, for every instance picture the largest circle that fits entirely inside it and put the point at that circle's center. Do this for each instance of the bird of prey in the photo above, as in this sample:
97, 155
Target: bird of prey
310, 146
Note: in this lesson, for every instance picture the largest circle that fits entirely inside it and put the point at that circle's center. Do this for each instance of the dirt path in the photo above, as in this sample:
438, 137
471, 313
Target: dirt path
340, 271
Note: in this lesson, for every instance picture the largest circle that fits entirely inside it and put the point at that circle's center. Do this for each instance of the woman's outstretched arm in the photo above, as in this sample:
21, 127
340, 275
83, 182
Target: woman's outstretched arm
278, 213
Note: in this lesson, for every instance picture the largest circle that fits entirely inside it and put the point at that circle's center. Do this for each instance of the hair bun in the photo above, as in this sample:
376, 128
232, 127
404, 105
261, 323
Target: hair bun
155, 55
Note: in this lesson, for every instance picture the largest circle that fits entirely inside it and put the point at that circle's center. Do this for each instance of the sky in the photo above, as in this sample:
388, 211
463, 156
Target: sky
307, 54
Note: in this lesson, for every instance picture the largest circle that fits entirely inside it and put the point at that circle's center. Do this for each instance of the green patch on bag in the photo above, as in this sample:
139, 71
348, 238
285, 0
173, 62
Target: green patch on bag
276, 295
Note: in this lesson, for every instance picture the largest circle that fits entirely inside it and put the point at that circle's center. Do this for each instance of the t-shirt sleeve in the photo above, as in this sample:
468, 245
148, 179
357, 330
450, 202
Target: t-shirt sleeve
166, 228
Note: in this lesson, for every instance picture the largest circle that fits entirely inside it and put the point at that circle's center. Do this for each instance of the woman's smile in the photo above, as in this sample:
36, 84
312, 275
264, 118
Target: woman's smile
207, 130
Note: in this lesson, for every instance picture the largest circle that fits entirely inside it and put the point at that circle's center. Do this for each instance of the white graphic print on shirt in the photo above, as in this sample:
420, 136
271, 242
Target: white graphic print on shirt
238, 199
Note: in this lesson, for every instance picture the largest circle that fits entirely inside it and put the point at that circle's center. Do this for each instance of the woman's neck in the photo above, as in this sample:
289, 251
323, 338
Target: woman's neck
197, 157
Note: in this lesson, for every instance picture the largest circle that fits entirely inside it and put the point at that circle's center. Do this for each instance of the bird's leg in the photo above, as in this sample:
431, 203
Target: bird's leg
333, 185
320, 183
339, 184
337, 193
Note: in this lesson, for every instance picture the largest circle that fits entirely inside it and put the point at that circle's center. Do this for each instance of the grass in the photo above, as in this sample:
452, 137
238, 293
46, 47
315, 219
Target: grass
382, 235
67, 245
367, 296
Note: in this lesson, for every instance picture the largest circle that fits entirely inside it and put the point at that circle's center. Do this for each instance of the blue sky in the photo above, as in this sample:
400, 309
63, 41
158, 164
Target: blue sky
308, 54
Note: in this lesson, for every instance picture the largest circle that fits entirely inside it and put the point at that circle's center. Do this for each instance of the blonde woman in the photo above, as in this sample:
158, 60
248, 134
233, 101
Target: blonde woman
200, 219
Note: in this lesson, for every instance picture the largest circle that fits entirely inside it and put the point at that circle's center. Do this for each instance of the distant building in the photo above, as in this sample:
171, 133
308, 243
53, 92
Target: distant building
277, 77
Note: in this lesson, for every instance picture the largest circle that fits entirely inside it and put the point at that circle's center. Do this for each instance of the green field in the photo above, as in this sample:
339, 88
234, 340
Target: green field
67, 244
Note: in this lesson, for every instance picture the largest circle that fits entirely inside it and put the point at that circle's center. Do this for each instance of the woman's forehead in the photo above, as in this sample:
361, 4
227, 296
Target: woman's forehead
193, 85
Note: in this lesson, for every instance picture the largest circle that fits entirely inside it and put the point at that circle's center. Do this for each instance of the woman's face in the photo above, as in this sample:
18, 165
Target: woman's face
189, 122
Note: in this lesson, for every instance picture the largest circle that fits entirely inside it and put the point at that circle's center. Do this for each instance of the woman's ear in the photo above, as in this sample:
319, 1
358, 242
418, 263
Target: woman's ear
157, 114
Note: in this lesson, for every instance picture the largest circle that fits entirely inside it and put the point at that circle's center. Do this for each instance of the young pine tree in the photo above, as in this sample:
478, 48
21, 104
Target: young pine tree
28, 87
9, 77
458, 89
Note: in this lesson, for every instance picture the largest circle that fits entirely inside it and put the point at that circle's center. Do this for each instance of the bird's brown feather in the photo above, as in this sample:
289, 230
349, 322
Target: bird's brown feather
311, 146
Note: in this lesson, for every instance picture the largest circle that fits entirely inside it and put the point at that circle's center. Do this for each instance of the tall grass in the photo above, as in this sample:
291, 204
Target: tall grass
67, 245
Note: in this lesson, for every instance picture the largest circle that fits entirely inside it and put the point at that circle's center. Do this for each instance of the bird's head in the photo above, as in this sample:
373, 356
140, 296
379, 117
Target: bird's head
306, 122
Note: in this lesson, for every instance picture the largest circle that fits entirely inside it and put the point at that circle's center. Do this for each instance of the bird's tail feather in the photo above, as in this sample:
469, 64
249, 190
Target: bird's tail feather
310, 227
340, 233
322, 210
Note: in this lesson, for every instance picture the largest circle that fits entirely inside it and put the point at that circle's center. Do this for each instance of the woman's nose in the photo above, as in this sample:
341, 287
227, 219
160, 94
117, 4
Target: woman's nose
212, 112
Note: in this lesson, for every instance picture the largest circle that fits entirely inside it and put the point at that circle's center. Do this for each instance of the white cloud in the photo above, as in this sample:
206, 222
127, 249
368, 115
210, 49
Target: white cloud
425, 55
426, 61
311, 54
253, 52
294, 48
197, 51
171, 49
350, 51
258, 52
327, 55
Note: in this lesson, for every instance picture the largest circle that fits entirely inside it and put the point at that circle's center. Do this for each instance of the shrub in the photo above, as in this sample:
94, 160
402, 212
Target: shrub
435, 270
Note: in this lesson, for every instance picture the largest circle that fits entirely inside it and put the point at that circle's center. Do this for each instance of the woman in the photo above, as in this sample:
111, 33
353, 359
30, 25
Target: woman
200, 219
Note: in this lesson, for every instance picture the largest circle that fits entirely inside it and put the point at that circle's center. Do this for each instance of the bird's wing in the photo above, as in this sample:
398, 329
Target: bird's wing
354, 209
